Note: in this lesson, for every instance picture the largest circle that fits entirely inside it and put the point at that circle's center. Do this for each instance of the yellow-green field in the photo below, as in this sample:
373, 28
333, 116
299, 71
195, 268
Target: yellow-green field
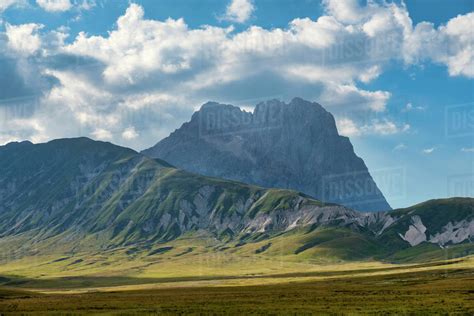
204, 276
435, 289
207, 282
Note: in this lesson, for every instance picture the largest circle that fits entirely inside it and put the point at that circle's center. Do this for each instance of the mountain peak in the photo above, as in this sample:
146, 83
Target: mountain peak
84, 143
210, 104
292, 145
297, 101
15, 143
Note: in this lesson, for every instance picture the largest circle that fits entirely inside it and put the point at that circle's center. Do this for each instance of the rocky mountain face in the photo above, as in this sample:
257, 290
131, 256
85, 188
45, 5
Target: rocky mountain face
79, 187
83, 195
292, 146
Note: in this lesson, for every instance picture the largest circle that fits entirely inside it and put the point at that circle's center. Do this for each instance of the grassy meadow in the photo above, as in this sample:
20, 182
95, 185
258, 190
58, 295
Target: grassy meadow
176, 278
443, 288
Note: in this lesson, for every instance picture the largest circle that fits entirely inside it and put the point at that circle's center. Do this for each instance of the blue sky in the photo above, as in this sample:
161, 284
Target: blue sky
397, 75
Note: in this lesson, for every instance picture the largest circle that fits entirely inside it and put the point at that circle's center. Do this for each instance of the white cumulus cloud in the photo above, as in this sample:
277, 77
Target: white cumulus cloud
385, 127
23, 39
130, 133
151, 74
449, 44
349, 127
239, 10
54, 5
102, 134
5, 4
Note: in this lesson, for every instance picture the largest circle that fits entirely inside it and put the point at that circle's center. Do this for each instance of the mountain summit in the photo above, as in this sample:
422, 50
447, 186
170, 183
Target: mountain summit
292, 146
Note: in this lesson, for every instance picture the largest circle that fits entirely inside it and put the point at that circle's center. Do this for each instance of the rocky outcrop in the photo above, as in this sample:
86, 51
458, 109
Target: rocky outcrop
454, 233
415, 234
291, 146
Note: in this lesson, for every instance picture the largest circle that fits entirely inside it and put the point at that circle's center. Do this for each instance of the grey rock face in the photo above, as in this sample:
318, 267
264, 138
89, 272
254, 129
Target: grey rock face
454, 233
416, 232
291, 146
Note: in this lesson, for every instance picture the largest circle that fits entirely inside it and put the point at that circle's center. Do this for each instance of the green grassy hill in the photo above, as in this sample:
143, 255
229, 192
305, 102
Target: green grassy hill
73, 198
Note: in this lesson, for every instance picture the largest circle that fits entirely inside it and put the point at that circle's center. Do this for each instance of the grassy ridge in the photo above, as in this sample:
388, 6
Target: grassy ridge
76, 196
433, 213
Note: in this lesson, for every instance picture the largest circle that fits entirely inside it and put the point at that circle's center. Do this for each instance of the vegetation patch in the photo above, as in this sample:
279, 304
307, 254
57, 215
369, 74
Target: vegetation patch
76, 262
60, 259
263, 248
190, 249
160, 251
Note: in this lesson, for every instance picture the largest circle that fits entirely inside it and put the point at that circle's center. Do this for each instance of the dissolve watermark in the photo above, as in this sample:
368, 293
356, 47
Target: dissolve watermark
459, 120
132, 181
362, 50
461, 185
216, 119
361, 187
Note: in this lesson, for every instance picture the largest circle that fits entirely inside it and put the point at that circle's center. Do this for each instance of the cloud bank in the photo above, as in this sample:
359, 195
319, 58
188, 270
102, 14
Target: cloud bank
141, 80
